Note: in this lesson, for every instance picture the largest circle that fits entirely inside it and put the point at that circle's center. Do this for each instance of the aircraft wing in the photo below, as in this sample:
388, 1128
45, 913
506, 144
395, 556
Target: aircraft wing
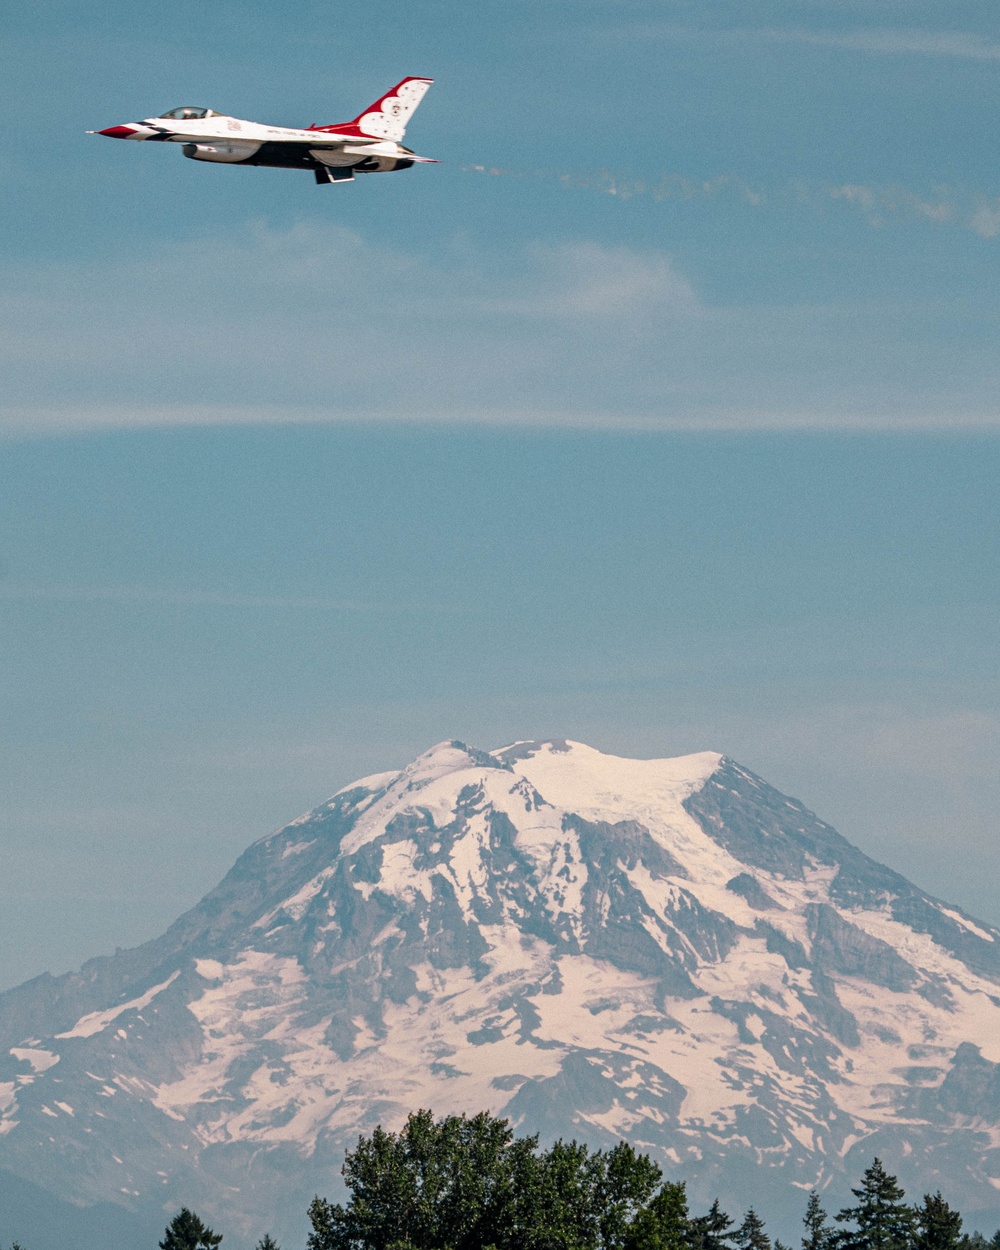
343, 143
323, 139
348, 145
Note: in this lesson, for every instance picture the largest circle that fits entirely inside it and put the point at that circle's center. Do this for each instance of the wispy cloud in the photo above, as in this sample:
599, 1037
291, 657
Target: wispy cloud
318, 323
883, 41
170, 596
283, 318
587, 280
696, 419
960, 44
986, 218
315, 322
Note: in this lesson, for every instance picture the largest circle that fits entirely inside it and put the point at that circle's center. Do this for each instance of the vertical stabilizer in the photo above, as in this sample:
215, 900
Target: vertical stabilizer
387, 117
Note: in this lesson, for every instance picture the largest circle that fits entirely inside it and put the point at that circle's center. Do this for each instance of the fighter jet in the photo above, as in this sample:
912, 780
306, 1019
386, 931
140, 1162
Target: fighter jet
371, 144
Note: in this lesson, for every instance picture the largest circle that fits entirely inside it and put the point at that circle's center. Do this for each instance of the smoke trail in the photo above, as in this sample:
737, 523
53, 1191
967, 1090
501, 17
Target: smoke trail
879, 206
664, 187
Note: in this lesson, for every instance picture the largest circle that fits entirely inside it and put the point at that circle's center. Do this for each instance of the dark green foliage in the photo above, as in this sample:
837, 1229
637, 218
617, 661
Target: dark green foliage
882, 1219
818, 1234
750, 1235
267, 1242
663, 1223
433, 1185
468, 1184
463, 1183
938, 1226
628, 1184
976, 1241
186, 1232
711, 1231
585, 1199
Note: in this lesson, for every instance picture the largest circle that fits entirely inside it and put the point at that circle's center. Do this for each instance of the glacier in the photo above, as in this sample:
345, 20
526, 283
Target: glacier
670, 951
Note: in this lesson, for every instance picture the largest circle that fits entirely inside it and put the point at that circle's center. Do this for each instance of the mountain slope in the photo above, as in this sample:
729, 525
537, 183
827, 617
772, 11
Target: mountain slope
668, 950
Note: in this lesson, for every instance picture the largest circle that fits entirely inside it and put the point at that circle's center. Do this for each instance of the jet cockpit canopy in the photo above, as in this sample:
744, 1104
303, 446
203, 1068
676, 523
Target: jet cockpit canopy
188, 114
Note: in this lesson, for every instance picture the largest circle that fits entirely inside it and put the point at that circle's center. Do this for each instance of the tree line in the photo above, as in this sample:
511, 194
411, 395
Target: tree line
470, 1184
461, 1183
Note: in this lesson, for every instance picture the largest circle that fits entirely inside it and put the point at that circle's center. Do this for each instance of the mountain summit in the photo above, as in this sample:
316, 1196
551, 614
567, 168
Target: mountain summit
665, 950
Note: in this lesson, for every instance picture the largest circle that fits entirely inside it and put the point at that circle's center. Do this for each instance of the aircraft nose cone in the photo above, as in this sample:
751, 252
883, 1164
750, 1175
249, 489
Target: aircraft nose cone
118, 132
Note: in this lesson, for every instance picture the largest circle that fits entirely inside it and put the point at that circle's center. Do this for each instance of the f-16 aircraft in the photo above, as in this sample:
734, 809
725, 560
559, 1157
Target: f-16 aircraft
371, 144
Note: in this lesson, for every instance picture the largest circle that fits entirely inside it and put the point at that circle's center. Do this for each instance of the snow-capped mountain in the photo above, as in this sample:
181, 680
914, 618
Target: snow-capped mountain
665, 950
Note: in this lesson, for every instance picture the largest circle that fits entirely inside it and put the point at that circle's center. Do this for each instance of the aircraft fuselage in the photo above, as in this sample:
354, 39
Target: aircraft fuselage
369, 144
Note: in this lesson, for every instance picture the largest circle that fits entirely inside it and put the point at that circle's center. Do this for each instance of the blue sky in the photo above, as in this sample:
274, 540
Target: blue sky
662, 413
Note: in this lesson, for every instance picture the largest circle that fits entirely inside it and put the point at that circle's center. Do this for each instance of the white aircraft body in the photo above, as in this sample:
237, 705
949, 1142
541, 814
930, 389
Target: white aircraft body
371, 144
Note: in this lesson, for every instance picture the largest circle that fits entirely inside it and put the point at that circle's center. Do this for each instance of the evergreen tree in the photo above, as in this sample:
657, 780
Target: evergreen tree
976, 1241
267, 1242
882, 1219
973, 1241
186, 1232
938, 1226
818, 1235
750, 1235
710, 1232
